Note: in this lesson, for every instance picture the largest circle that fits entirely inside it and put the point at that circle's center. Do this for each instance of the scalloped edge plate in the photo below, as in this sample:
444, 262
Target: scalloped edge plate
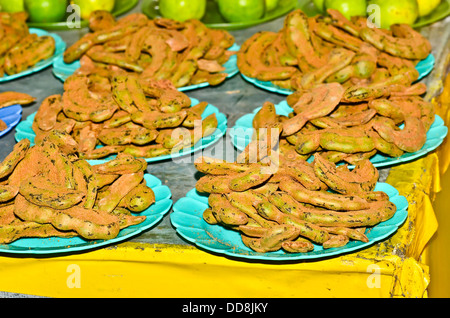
60, 47
11, 115
188, 220
25, 130
242, 131
424, 68
62, 70
52, 245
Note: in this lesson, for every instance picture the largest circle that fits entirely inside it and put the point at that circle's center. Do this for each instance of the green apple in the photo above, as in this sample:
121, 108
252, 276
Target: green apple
45, 11
398, 11
427, 6
87, 6
348, 8
182, 10
12, 5
271, 5
241, 10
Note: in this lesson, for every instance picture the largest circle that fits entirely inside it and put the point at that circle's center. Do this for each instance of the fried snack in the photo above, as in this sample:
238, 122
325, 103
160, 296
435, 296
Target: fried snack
309, 51
109, 112
273, 210
47, 190
20, 49
13, 98
187, 54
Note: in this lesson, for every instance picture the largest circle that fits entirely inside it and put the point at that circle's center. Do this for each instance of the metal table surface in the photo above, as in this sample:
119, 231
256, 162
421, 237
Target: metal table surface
235, 97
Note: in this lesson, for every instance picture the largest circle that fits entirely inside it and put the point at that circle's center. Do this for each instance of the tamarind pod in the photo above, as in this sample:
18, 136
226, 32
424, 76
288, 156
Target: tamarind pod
122, 164
119, 118
299, 245
128, 93
332, 201
354, 234
308, 142
19, 151
254, 60
413, 47
47, 113
336, 241
305, 229
249, 179
158, 120
245, 202
265, 117
261, 148
125, 218
92, 185
8, 192
304, 174
227, 213
297, 37
209, 217
89, 224
138, 199
212, 79
101, 20
252, 230
214, 184
127, 135
42, 192
172, 101
194, 113
98, 54
146, 151
349, 141
253, 243
13, 98
410, 139
118, 189
337, 60
386, 108
102, 152
76, 50
361, 179
102, 180
286, 203
278, 234
215, 166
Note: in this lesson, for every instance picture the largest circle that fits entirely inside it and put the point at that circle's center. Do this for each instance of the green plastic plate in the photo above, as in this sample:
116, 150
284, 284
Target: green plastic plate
120, 7
188, 221
213, 18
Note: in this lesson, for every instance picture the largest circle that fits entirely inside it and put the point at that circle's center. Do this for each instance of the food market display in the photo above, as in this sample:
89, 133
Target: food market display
185, 53
309, 51
49, 191
20, 49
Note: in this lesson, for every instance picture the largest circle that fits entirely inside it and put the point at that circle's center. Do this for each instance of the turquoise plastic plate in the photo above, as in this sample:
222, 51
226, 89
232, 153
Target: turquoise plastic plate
24, 130
242, 132
424, 68
11, 115
60, 47
62, 70
54, 245
188, 220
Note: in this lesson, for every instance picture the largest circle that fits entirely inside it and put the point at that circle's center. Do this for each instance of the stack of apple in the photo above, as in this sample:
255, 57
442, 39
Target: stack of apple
44, 11
390, 11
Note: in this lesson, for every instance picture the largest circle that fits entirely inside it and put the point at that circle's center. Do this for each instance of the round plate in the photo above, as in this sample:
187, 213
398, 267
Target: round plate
188, 220
25, 130
213, 18
54, 245
424, 68
120, 7
242, 132
60, 47
62, 70
11, 115
441, 11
